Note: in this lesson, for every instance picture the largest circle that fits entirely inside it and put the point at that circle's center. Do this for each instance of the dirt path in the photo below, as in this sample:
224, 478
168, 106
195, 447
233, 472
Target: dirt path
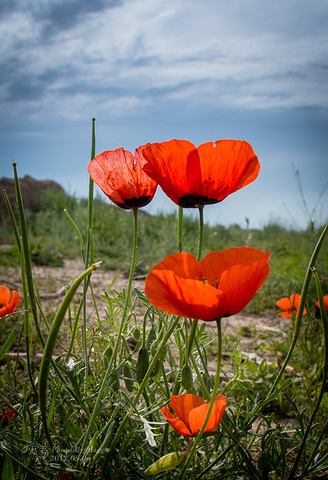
255, 332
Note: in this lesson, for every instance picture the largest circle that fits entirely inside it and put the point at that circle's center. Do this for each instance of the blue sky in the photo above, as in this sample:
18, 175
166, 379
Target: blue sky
152, 70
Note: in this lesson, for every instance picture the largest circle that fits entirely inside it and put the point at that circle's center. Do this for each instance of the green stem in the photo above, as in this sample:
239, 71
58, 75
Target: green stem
213, 396
26, 322
145, 380
50, 345
27, 257
87, 254
201, 231
324, 379
180, 218
299, 316
13, 221
118, 339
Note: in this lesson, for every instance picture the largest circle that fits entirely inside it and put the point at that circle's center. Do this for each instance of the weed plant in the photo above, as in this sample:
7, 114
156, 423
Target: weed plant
52, 239
98, 410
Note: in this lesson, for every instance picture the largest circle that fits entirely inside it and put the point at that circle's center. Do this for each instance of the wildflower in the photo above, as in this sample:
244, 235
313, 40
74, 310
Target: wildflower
8, 302
290, 304
6, 417
204, 175
325, 302
120, 176
191, 411
220, 285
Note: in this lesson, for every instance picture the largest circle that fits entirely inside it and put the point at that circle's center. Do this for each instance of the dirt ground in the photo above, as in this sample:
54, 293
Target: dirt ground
255, 331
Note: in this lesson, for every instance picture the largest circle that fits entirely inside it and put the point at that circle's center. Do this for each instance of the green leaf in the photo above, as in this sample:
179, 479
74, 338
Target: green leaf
165, 463
8, 343
7, 471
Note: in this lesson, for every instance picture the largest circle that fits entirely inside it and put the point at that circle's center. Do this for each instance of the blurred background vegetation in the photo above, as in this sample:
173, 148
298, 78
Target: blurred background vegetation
52, 239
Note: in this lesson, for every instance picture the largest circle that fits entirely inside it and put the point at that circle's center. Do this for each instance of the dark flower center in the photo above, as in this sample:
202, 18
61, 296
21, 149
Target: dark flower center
135, 202
192, 201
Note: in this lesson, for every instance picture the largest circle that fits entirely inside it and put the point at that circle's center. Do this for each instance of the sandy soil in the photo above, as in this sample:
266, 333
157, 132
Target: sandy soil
255, 331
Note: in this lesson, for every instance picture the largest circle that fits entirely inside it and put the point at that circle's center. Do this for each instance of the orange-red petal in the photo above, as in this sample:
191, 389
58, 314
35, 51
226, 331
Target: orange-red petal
4, 295
120, 176
239, 273
182, 405
183, 264
290, 304
167, 165
197, 415
184, 297
8, 301
325, 302
177, 424
207, 174
284, 303
221, 284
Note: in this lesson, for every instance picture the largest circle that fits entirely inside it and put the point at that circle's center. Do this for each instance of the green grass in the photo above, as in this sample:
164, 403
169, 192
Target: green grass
98, 428
52, 238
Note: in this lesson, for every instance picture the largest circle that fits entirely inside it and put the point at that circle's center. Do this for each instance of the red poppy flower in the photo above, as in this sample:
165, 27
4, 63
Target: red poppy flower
221, 284
6, 417
8, 303
204, 175
325, 302
191, 411
120, 176
291, 305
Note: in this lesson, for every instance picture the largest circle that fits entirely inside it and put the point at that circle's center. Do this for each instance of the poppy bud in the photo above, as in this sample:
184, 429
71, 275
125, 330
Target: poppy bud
186, 377
136, 333
114, 381
142, 364
128, 379
151, 337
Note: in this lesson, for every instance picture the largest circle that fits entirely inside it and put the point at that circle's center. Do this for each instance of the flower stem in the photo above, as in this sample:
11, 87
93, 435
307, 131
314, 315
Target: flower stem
324, 377
118, 339
145, 380
201, 231
213, 396
50, 345
180, 218
299, 316
27, 257
87, 253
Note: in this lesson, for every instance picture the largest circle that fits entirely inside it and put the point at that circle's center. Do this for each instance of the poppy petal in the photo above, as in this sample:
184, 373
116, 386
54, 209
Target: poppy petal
14, 300
295, 300
226, 166
166, 164
285, 314
197, 415
240, 283
215, 263
4, 295
120, 176
284, 303
325, 302
182, 405
185, 297
204, 175
239, 273
183, 264
177, 424
9, 301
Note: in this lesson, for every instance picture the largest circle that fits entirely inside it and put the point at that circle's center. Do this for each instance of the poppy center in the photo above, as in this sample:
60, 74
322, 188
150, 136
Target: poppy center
135, 202
212, 282
192, 201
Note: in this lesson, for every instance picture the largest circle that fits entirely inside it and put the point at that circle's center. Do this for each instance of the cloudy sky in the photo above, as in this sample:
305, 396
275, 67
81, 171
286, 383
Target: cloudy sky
152, 70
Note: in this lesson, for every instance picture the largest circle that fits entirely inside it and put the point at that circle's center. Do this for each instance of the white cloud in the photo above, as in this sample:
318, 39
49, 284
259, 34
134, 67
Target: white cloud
250, 55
